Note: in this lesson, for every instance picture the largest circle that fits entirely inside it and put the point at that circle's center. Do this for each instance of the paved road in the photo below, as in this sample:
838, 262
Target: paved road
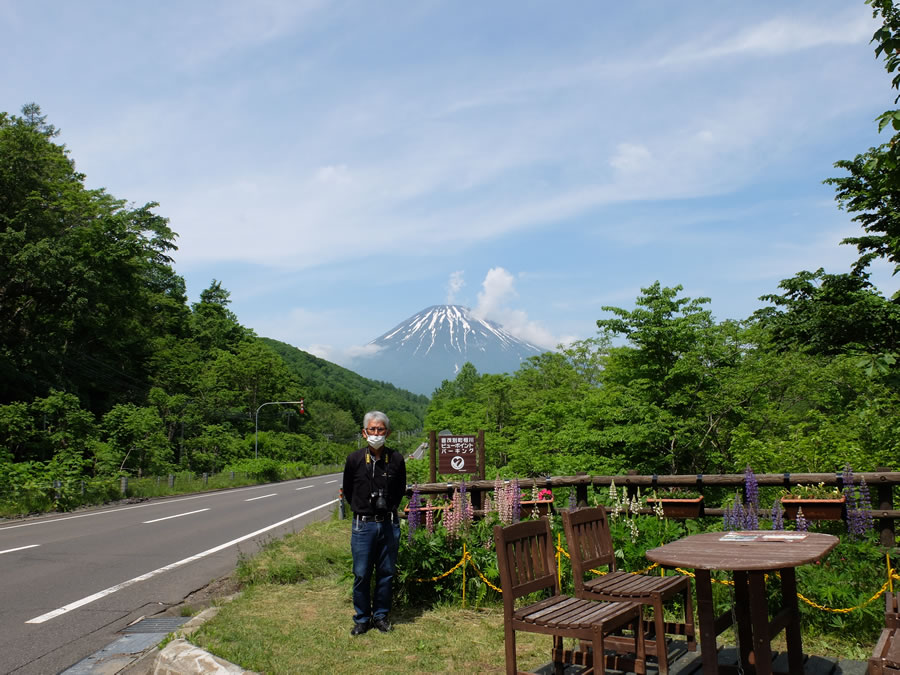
70, 582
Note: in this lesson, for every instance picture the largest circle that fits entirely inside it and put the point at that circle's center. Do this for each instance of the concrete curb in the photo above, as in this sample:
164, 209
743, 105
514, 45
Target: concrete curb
180, 657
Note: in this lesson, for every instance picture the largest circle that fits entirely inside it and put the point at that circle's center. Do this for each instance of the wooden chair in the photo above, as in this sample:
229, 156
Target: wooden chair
885, 659
892, 610
591, 546
525, 555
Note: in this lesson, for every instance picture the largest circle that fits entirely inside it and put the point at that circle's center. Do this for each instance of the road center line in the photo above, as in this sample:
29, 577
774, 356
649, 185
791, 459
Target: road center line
330, 481
305, 487
118, 587
139, 506
253, 499
21, 548
189, 513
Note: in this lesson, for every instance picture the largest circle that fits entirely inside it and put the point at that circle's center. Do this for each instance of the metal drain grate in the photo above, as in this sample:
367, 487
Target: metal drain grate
160, 624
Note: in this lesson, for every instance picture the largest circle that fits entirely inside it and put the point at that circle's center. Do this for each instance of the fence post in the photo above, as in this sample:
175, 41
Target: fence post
581, 491
232, 475
475, 494
205, 478
82, 488
123, 485
171, 480
886, 503
56, 488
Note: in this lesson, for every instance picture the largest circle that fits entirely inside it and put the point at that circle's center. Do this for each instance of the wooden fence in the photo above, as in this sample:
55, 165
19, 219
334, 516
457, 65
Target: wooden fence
881, 485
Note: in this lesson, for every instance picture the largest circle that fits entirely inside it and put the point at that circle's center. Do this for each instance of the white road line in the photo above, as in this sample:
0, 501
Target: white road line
253, 499
189, 513
305, 487
21, 548
330, 481
139, 506
125, 584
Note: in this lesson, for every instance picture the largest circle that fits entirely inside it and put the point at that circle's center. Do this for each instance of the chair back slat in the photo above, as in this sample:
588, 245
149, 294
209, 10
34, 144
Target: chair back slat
525, 558
590, 541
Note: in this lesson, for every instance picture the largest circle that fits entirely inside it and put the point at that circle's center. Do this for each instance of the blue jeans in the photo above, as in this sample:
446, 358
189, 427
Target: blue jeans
374, 546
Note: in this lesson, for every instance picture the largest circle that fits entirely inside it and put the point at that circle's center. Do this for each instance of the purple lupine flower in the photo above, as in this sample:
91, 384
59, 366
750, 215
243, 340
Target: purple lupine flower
749, 520
415, 515
849, 491
859, 517
777, 516
516, 501
751, 489
738, 512
864, 504
847, 476
429, 522
802, 522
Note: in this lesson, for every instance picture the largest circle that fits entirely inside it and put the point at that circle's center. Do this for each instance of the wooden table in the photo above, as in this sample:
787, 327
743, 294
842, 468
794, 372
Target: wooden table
749, 561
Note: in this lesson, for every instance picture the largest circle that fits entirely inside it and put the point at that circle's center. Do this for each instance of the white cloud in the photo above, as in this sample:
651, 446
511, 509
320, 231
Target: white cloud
498, 289
454, 286
631, 158
361, 350
778, 36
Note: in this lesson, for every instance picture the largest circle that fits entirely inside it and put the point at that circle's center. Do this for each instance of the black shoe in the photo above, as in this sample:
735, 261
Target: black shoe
360, 628
383, 625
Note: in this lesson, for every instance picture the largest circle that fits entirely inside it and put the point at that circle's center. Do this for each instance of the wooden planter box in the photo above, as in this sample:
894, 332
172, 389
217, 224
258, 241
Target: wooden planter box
527, 507
679, 508
424, 509
814, 509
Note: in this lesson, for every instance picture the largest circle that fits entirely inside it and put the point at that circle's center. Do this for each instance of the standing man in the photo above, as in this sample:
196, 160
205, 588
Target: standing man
374, 484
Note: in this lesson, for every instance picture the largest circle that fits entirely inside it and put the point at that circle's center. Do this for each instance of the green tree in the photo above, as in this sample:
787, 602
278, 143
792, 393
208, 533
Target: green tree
136, 441
77, 310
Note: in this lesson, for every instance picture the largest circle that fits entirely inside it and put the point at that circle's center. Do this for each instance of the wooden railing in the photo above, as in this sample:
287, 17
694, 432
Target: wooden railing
881, 485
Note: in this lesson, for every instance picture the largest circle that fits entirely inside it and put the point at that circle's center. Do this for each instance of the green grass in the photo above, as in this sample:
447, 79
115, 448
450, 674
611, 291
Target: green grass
296, 613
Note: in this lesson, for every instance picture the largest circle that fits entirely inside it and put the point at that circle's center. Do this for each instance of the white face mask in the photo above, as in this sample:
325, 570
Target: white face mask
375, 441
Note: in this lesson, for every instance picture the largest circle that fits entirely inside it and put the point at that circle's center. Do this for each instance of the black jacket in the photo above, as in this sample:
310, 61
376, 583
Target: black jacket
363, 476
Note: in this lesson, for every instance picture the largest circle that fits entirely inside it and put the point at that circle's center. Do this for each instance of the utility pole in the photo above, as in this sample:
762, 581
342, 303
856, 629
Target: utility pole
256, 420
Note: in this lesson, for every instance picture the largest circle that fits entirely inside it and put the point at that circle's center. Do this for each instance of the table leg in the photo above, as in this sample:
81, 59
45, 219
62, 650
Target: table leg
743, 630
792, 629
759, 619
706, 618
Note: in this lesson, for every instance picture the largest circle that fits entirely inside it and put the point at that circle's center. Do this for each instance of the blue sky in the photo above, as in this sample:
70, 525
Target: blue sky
339, 166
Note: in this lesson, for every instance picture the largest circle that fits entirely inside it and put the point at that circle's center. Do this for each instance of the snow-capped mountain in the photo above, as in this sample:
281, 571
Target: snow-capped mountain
432, 345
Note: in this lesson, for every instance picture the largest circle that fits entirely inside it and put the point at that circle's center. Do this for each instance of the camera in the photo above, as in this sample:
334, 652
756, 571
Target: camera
379, 503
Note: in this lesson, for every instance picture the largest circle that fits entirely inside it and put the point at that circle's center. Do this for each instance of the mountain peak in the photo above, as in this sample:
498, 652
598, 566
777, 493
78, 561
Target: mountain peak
433, 344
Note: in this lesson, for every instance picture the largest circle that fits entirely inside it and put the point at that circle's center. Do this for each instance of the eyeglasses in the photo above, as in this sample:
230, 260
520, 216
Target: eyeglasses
376, 430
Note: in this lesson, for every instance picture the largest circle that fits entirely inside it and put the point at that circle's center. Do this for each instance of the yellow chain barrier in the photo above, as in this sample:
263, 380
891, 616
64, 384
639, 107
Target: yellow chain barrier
445, 574
560, 551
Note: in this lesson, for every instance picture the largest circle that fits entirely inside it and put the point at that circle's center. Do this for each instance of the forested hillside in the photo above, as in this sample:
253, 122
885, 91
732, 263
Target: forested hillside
105, 369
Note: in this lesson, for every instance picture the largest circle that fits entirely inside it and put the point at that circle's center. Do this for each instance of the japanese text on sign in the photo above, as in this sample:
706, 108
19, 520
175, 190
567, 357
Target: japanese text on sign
457, 454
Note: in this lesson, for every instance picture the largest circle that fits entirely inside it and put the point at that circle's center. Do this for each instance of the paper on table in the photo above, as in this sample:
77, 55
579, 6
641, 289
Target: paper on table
739, 536
784, 536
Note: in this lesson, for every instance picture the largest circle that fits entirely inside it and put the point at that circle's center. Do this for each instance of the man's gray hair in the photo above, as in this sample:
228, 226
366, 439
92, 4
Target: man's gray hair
378, 417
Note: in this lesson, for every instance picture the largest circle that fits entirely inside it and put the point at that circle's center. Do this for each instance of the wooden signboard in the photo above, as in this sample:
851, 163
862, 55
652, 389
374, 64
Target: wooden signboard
456, 454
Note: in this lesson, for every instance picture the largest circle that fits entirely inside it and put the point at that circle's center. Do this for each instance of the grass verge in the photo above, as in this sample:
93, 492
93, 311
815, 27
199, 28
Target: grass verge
296, 613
